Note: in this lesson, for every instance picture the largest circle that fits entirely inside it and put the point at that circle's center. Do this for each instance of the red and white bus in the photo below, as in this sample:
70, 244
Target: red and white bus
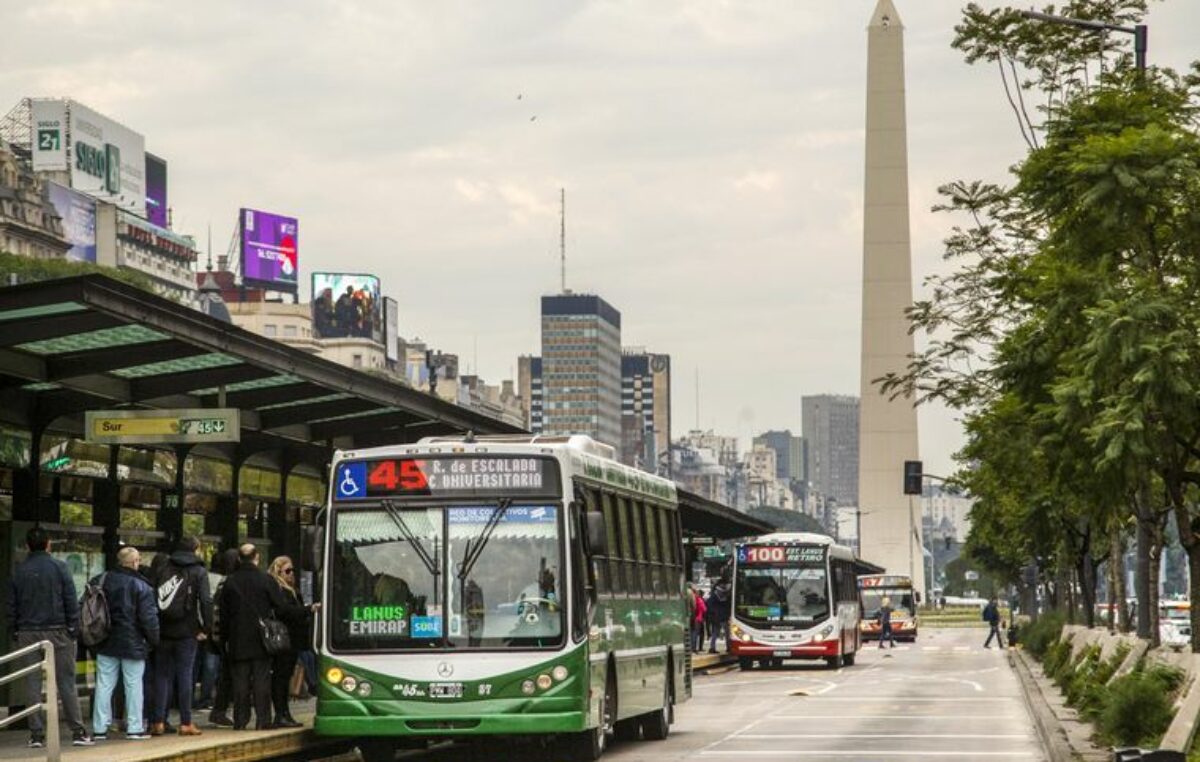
795, 596
898, 590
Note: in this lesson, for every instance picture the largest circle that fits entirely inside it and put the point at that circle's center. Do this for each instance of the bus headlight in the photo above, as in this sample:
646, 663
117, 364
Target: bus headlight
739, 633
825, 632
527, 687
334, 675
560, 673
543, 681
364, 689
349, 683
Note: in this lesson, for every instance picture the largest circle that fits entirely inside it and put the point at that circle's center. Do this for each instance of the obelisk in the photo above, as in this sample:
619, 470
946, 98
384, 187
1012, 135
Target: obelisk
890, 521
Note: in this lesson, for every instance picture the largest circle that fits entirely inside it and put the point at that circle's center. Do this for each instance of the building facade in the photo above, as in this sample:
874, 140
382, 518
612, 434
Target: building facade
581, 367
529, 387
29, 223
645, 409
829, 423
789, 454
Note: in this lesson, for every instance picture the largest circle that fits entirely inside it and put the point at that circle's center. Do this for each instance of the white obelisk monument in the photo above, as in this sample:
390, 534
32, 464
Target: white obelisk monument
890, 521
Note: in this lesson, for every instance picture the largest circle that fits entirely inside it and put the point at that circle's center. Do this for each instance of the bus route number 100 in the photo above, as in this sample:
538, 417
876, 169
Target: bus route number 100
764, 555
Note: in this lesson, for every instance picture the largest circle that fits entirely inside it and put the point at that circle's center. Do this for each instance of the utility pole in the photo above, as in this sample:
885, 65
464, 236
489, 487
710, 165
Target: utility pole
562, 235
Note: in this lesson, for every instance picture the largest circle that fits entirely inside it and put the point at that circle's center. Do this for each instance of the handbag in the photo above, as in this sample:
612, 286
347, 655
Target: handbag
275, 637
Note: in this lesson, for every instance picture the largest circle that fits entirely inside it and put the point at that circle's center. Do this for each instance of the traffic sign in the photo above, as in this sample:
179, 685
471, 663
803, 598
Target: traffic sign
181, 426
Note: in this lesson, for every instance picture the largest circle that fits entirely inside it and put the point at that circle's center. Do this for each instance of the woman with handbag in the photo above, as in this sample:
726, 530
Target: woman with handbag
253, 634
295, 615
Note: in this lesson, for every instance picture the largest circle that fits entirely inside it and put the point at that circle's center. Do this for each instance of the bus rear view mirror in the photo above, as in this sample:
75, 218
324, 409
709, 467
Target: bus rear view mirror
597, 534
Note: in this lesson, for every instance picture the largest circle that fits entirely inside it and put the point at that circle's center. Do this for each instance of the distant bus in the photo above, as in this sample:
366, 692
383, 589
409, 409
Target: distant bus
795, 597
499, 586
898, 588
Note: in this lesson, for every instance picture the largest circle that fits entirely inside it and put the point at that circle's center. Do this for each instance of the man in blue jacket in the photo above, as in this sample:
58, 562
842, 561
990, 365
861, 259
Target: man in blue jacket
133, 630
42, 606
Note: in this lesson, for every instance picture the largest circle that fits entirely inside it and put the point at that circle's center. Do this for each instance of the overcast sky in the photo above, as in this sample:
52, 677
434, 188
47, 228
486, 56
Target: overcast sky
712, 154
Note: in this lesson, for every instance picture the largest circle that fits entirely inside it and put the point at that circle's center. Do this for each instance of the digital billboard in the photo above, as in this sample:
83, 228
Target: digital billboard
347, 305
156, 190
391, 329
108, 160
78, 214
270, 250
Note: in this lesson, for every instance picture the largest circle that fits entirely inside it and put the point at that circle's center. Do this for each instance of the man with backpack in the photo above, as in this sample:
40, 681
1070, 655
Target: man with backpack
132, 631
991, 615
185, 613
42, 606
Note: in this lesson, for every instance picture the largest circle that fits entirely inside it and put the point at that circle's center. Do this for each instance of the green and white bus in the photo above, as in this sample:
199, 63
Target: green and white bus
489, 586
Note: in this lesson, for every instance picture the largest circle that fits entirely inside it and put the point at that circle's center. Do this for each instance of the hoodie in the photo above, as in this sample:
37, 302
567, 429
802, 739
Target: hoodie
196, 583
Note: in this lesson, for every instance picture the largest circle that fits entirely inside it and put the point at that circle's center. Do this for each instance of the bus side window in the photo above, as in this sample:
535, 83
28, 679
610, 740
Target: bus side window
654, 553
599, 563
637, 517
628, 549
670, 554
616, 571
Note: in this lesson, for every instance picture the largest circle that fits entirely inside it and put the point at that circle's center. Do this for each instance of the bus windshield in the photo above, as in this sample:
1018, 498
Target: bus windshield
782, 595
459, 576
901, 600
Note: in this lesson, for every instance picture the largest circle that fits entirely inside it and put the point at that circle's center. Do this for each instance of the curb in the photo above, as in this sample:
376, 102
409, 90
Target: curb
1049, 730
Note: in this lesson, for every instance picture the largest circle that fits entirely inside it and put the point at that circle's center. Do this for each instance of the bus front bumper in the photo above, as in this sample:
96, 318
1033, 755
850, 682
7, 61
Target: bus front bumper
463, 718
817, 650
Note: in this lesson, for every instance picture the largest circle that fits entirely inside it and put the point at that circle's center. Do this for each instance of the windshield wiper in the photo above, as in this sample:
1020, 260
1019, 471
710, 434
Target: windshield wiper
430, 563
475, 549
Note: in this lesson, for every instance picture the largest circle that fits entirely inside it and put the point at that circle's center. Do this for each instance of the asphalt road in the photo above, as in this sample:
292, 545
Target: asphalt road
943, 697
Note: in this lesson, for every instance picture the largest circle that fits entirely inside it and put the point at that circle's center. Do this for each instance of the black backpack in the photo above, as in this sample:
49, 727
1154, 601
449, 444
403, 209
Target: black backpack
94, 622
175, 594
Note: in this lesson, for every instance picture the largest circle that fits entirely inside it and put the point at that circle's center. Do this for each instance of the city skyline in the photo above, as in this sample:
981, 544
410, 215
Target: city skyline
445, 185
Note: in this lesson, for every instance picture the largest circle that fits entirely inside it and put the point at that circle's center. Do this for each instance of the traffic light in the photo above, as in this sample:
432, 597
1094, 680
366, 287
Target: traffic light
912, 477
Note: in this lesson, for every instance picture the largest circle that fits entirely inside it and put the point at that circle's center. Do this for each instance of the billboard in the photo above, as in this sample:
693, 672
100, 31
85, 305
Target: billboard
78, 214
346, 305
48, 130
391, 329
108, 160
156, 190
270, 250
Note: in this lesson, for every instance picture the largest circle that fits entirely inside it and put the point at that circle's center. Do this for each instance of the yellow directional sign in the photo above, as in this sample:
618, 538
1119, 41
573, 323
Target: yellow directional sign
184, 426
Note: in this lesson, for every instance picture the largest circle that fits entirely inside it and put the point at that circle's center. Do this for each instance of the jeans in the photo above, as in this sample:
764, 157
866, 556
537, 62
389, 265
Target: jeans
173, 663
995, 633
697, 637
131, 671
64, 678
885, 633
719, 628
251, 679
210, 673
308, 660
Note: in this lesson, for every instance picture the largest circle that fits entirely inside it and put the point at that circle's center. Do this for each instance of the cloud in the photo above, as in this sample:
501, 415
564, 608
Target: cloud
763, 181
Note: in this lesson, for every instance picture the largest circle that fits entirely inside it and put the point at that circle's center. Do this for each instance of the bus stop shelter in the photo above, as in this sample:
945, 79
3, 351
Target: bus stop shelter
707, 526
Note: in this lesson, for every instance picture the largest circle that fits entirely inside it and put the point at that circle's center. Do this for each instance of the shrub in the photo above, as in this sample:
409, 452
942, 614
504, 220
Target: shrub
1138, 708
1057, 656
1040, 635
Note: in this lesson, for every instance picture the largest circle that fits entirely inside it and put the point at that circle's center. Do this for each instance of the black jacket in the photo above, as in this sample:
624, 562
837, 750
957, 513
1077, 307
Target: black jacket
718, 603
197, 579
248, 595
132, 615
297, 617
42, 595
991, 614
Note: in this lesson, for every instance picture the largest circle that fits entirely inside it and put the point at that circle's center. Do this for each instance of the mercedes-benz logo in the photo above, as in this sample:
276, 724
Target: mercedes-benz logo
445, 669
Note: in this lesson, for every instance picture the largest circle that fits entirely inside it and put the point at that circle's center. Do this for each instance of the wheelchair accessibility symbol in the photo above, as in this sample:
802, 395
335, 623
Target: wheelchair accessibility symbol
352, 480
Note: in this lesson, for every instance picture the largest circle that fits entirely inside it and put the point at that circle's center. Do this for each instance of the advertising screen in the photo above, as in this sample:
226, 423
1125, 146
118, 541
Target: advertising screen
48, 129
156, 190
108, 160
391, 329
346, 305
270, 250
78, 214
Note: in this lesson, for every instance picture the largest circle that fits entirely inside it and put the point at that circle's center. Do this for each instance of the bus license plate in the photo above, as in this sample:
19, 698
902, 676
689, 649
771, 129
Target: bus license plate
445, 690
782, 653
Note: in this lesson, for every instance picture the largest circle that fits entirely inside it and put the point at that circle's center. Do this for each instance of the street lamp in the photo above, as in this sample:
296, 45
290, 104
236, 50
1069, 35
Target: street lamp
1140, 32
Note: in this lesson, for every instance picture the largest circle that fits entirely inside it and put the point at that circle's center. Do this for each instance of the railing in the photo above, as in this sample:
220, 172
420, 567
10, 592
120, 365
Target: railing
53, 748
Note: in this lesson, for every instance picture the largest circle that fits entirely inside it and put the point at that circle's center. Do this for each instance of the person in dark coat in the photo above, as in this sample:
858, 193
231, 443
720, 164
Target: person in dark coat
133, 631
42, 606
219, 715
297, 617
991, 615
719, 610
885, 623
185, 617
249, 596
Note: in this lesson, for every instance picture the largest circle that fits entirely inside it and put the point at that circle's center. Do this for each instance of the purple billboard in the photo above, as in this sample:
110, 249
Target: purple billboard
78, 214
270, 250
156, 191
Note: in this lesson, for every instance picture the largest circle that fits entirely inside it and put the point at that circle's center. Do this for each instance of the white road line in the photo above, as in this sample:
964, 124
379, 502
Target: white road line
931, 648
967, 754
820, 717
963, 648
909, 700
881, 736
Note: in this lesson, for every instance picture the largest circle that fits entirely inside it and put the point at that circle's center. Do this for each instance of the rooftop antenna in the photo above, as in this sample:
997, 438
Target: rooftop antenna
562, 235
210, 245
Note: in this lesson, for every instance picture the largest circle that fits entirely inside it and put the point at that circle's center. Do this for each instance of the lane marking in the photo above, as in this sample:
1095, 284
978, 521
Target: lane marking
819, 717
910, 699
976, 736
968, 754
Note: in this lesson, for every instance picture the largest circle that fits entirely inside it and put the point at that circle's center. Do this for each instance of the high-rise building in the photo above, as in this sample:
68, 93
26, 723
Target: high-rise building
645, 409
581, 367
830, 426
789, 454
529, 388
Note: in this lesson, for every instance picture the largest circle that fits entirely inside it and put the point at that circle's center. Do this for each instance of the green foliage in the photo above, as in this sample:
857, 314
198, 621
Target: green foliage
28, 270
1039, 636
1138, 707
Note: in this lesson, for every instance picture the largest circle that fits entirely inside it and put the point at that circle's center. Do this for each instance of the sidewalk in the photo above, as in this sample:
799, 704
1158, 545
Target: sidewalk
216, 745
1065, 734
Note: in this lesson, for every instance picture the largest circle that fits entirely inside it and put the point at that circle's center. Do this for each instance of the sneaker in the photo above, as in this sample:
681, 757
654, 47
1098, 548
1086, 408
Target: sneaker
142, 736
82, 739
37, 742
